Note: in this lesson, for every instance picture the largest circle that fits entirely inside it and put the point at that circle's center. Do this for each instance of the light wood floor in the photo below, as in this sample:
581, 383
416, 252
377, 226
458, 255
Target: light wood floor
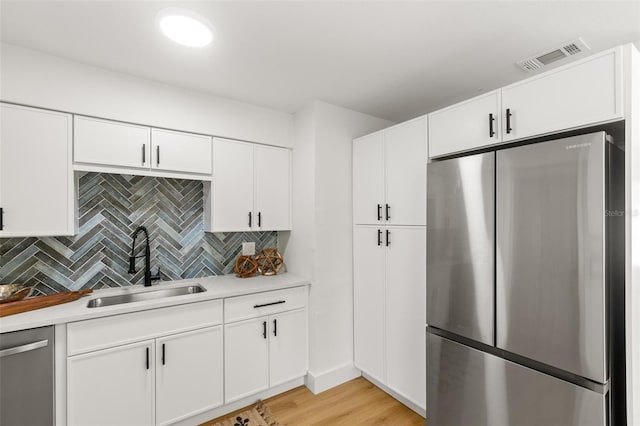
357, 402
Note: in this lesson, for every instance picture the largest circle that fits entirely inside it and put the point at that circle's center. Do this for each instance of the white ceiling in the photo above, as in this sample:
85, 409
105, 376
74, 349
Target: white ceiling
392, 59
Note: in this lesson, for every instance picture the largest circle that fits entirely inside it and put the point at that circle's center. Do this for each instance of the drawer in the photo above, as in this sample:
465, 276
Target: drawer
100, 333
260, 304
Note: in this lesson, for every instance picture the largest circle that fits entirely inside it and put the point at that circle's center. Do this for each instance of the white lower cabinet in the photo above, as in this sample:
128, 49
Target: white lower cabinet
287, 346
188, 374
246, 351
158, 381
162, 366
264, 352
172, 370
390, 307
269, 349
112, 386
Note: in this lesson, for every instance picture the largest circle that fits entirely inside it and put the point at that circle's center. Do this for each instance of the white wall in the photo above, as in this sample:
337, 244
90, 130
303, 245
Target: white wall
320, 244
33, 78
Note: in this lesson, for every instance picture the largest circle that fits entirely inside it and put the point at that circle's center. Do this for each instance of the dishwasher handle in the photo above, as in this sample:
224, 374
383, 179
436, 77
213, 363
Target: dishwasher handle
24, 348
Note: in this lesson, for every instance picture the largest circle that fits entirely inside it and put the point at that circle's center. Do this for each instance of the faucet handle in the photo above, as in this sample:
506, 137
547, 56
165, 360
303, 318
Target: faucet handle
156, 277
132, 265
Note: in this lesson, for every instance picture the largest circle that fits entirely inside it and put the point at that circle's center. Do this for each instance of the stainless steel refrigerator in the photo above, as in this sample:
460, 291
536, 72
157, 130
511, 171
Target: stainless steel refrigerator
525, 299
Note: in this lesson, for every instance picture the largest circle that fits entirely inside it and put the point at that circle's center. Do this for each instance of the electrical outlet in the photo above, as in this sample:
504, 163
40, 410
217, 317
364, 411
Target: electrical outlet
248, 249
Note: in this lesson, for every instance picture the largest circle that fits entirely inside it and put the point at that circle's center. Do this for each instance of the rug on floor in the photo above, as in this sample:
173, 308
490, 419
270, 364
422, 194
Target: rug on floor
260, 415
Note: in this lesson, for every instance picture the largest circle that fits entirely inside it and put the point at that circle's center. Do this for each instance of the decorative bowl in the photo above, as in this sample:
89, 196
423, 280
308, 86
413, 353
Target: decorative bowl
13, 292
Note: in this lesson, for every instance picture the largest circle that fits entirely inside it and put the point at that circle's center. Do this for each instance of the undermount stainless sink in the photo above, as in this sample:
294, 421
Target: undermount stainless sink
145, 295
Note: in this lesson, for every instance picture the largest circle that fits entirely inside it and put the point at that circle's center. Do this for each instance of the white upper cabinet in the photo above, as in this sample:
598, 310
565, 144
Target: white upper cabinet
368, 178
180, 152
579, 94
36, 178
468, 125
406, 173
587, 92
110, 146
250, 189
231, 195
389, 175
111, 143
271, 173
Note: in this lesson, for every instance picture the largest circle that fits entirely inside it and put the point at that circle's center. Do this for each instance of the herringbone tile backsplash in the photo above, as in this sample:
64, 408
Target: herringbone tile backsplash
111, 207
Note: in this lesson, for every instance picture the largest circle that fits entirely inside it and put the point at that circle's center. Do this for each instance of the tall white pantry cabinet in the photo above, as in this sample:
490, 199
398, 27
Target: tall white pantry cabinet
389, 258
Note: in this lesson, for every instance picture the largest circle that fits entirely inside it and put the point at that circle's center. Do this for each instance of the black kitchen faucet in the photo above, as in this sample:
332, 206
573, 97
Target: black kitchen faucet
147, 258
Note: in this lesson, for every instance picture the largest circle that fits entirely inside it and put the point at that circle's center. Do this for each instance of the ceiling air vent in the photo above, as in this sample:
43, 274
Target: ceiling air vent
543, 59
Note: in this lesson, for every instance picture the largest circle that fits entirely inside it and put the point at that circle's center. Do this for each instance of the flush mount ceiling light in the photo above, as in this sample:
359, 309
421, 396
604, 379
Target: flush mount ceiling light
185, 27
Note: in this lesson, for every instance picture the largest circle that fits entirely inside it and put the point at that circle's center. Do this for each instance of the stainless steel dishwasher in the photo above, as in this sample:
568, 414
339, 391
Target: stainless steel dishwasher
27, 377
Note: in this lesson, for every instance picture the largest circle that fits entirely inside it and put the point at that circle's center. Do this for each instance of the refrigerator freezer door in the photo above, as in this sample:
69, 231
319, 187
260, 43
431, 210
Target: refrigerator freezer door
550, 285
470, 387
460, 245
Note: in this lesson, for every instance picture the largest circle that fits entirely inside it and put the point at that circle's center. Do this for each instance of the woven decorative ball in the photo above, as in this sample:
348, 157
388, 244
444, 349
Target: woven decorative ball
245, 266
269, 261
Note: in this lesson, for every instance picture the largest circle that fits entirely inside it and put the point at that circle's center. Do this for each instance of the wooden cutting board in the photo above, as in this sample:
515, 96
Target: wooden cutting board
41, 302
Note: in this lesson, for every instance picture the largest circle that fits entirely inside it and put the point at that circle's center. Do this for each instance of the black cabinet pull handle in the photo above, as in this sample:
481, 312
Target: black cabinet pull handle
509, 129
379, 212
491, 120
264, 329
379, 237
387, 210
388, 240
269, 304
147, 358
144, 153
1, 219
163, 355
259, 219
249, 219
158, 155
275, 327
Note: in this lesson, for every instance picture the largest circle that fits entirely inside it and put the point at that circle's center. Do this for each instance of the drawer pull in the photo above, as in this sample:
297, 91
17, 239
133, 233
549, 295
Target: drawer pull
24, 348
269, 304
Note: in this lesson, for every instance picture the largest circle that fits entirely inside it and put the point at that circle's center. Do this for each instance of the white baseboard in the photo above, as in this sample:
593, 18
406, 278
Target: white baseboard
320, 382
241, 403
405, 401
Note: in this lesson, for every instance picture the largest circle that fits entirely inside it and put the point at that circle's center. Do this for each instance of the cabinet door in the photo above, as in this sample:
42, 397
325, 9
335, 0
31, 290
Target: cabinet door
111, 143
36, 180
576, 95
406, 313
406, 173
180, 152
287, 346
368, 294
112, 386
368, 179
271, 168
188, 374
245, 352
465, 126
232, 186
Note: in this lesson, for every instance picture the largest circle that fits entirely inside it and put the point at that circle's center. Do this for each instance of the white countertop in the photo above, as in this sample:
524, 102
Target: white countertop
217, 287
